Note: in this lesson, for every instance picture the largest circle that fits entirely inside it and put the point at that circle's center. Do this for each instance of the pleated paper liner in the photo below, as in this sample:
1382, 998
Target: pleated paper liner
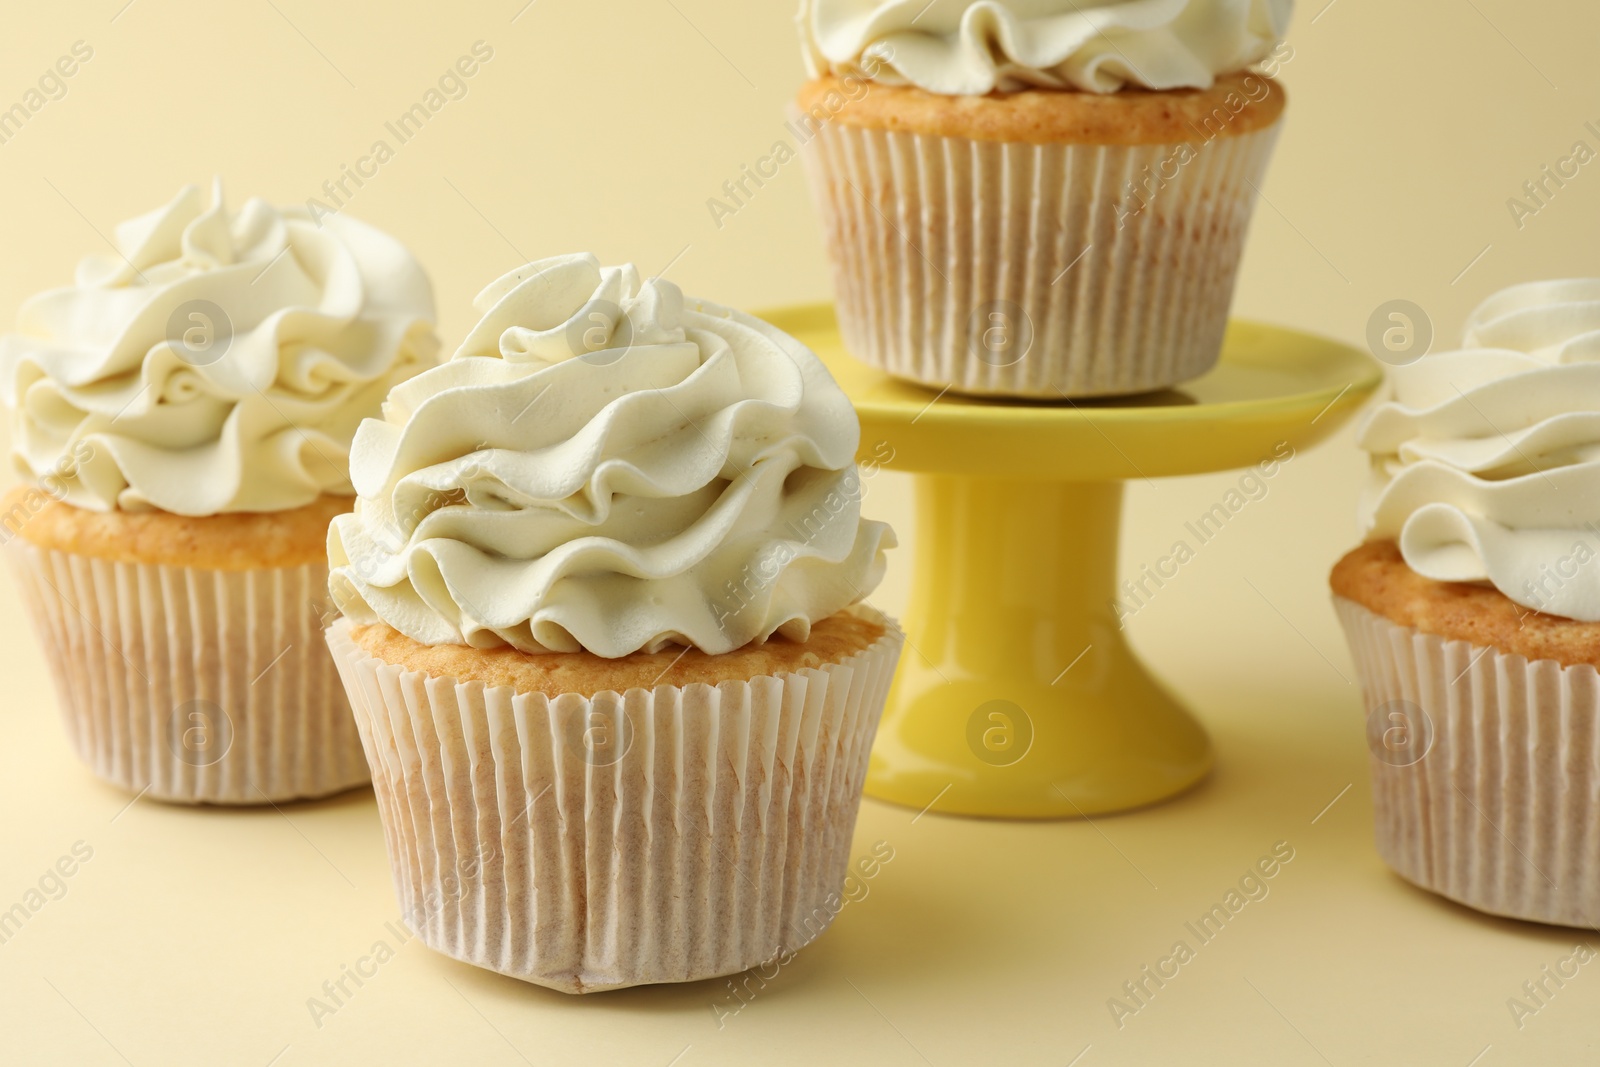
660, 835
1485, 770
1043, 271
193, 685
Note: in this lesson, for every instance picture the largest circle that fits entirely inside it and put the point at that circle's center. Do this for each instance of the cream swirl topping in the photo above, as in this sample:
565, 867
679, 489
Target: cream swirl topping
608, 466
216, 362
973, 47
1486, 462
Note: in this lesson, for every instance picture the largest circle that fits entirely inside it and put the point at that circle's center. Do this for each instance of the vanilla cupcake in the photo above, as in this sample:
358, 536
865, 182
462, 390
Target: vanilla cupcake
1044, 199
183, 418
1473, 610
600, 636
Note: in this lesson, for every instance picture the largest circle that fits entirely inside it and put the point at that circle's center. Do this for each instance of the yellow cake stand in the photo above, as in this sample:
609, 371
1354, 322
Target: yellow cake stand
1018, 695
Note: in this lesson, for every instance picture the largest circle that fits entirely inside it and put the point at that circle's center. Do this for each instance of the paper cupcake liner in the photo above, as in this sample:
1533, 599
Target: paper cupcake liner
1034, 270
193, 685
1502, 813
704, 832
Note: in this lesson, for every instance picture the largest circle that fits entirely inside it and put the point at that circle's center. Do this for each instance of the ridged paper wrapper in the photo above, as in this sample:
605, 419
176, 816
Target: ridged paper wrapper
1011, 269
584, 843
194, 685
1501, 812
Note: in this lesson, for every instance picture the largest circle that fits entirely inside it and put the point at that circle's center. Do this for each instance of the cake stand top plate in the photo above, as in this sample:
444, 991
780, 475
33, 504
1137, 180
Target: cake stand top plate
1273, 385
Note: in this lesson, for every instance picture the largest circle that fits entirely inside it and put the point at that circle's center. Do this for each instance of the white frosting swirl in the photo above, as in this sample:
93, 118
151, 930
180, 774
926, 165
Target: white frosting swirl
973, 47
604, 465
217, 362
1486, 462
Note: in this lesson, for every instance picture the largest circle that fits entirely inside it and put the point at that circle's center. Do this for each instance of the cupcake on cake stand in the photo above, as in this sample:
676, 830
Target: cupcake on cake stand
1018, 695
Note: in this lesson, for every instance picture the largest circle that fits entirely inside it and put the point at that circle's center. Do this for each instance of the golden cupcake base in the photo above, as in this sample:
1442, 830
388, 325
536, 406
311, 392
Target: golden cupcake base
670, 833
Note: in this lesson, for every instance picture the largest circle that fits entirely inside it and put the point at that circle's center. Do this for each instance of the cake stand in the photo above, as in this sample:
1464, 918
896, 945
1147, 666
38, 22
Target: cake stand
1018, 695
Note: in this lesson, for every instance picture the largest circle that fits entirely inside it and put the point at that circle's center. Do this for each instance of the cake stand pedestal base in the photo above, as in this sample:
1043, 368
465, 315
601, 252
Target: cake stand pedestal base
1017, 693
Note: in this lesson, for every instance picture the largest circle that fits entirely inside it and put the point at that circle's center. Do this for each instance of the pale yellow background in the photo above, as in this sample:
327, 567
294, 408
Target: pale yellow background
197, 936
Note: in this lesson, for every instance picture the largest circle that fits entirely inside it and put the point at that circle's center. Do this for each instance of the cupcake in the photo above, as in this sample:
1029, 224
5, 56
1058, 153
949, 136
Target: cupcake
1044, 199
603, 638
1473, 610
183, 414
